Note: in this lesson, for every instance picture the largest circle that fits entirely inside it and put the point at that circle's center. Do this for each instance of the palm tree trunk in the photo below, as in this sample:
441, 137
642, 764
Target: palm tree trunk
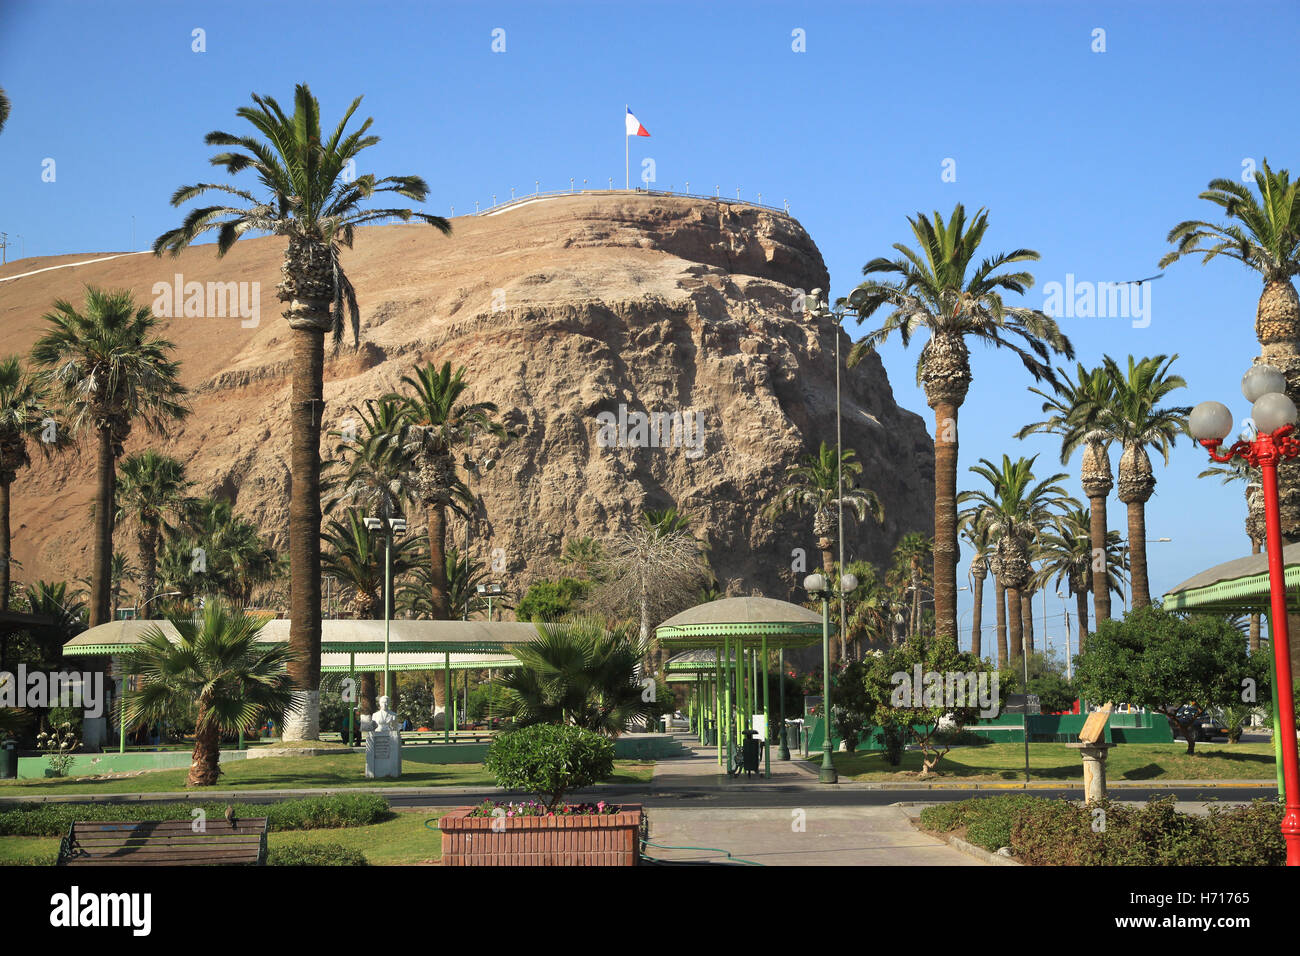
1277, 326
366, 693
1000, 610
4, 543
438, 559
946, 549
1027, 618
1097, 534
148, 542
206, 759
1015, 624
1137, 546
1081, 613
303, 723
977, 614
101, 567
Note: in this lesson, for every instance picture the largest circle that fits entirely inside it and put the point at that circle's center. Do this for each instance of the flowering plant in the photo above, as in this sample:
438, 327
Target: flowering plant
59, 744
536, 808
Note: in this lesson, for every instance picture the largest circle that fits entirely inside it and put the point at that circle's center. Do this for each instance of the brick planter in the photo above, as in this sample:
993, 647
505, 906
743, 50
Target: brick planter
599, 840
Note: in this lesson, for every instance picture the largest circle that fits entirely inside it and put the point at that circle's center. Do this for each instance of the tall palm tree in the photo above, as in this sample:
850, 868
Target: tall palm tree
463, 575
120, 572
371, 467
909, 574
1263, 233
584, 555
1065, 550
218, 667
109, 370
977, 535
310, 196
4, 109
24, 414
1073, 413
1015, 509
220, 553
1135, 419
439, 425
813, 485
942, 290
151, 490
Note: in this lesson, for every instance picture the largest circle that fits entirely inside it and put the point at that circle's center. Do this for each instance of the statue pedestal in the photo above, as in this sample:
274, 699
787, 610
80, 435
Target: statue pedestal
383, 754
1094, 770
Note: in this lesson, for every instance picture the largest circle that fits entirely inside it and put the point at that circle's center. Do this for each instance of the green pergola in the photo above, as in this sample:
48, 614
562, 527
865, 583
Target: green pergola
736, 635
1242, 586
352, 646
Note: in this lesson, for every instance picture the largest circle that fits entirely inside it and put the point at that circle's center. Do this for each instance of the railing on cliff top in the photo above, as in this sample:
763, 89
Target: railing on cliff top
518, 201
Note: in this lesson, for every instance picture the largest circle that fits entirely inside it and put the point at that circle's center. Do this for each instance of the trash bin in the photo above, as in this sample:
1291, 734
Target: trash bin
752, 752
9, 760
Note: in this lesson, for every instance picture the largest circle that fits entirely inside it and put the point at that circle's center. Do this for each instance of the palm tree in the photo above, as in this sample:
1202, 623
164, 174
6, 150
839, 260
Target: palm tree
24, 414
578, 672
869, 609
106, 367
1073, 412
977, 535
1134, 419
310, 197
1015, 509
463, 576
120, 572
438, 426
218, 666
584, 555
940, 289
4, 109
1262, 233
371, 467
219, 554
151, 489
1065, 551
908, 573
813, 485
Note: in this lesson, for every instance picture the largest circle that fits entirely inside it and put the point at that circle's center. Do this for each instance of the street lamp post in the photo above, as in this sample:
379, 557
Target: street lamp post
1274, 415
818, 587
390, 527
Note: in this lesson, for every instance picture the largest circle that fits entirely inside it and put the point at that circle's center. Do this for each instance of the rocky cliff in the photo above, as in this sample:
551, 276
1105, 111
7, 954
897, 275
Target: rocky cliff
576, 315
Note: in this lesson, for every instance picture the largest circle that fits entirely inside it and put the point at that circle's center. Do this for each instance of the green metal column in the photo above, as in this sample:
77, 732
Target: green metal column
352, 708
767, 718
446, 697
726, 651
1277, 725
717, 701
121, 715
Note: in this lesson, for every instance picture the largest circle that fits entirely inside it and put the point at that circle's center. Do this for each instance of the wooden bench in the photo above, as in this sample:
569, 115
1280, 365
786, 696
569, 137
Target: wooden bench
165, 843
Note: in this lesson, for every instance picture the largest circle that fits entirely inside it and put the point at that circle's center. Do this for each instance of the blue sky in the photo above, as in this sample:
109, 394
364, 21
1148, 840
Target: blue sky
1088, 157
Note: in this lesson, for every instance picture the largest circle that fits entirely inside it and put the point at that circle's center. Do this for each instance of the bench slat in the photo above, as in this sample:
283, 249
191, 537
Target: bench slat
163, 842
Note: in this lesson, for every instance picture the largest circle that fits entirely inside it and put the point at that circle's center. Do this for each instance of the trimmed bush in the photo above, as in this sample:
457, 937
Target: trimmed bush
310, 813
1048, 832
315, 854
549, 759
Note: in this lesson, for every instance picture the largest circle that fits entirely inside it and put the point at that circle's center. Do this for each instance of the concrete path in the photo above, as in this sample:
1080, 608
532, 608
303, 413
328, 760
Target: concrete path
794, 836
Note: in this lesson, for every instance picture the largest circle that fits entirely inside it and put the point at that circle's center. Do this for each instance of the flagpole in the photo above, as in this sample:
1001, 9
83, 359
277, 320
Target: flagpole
627, 175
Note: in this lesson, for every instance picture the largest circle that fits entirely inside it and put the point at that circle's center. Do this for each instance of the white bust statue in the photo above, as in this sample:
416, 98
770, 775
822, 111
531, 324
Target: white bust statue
381, 721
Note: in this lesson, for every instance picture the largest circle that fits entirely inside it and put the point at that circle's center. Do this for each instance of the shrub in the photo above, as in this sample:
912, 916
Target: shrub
312, 813
551, 600
315, 854
549, 759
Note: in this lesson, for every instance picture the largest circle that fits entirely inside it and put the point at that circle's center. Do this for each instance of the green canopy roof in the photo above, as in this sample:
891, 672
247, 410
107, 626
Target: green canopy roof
1236, 586
742, 620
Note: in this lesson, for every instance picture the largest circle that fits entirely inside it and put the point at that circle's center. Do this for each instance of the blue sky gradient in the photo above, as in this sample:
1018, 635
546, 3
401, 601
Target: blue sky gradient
1088, 157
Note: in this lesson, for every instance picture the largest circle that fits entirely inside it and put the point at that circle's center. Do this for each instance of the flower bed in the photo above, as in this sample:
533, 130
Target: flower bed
527, 834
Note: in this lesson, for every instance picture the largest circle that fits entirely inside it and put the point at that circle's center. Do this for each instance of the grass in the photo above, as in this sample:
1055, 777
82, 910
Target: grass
403, 839
295, 773
993, 762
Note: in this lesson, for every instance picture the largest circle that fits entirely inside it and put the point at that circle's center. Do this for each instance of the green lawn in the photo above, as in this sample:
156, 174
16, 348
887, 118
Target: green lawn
294, 773
404, 839
1253, 761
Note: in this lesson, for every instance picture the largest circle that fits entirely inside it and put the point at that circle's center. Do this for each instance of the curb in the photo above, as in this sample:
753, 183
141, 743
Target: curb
963, 846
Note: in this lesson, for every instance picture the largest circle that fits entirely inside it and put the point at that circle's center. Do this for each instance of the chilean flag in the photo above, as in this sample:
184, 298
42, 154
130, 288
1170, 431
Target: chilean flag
634, 127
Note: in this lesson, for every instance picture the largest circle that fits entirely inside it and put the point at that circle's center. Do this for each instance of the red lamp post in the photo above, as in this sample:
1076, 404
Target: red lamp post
1274, 416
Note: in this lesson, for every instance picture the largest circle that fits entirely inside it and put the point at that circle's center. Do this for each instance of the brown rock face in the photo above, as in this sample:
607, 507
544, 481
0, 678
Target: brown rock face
562, 310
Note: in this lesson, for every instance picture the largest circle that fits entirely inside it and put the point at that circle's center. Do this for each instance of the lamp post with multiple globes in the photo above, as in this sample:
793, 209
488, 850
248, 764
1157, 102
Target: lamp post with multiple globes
1274, 416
